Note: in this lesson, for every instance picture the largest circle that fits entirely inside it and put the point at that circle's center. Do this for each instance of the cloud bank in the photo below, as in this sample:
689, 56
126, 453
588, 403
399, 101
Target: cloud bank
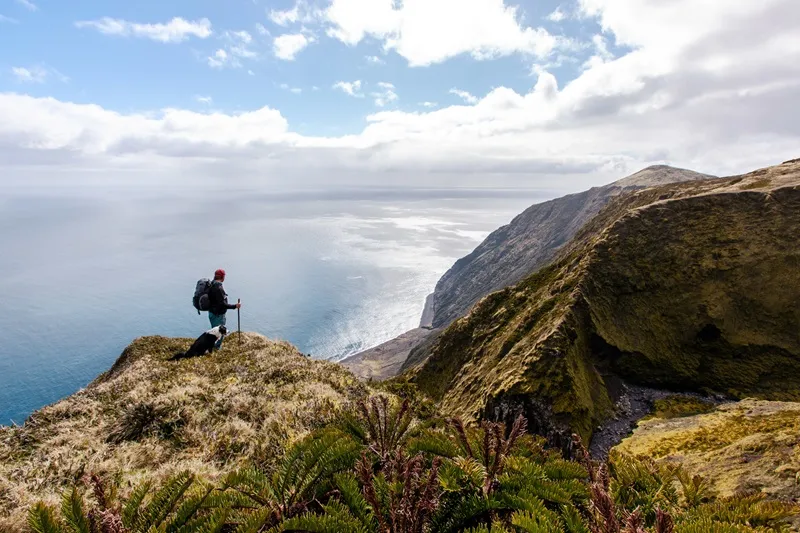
717, 91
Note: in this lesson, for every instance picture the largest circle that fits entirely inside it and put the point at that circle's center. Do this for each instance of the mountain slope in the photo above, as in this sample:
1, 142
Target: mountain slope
686, 286
506, 256
151, 416
531, 240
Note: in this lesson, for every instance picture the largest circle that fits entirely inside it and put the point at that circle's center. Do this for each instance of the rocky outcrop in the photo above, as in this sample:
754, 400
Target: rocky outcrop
149, 416
752, 445
531, 240
689, 286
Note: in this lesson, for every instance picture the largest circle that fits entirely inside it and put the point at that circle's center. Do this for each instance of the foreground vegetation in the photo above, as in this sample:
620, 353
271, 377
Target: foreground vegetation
389, 466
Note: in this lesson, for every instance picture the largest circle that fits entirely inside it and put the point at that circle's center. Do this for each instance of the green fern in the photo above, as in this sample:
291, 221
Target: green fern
535, 523
131, 509
72, 509
433, 443
336, 518
162, 503
639, 483
305, 473
42, 519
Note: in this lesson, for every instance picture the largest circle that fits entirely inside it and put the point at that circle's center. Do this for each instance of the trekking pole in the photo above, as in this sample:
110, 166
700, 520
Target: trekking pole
239, 321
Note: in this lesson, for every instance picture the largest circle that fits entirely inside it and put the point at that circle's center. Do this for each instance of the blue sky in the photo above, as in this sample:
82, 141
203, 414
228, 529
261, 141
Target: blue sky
138, 73
455, 90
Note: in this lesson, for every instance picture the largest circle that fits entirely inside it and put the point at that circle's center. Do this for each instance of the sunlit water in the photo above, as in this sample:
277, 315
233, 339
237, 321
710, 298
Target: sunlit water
332, 272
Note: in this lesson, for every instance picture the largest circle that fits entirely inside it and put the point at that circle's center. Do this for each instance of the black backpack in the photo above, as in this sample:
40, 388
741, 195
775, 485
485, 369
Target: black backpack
200, 300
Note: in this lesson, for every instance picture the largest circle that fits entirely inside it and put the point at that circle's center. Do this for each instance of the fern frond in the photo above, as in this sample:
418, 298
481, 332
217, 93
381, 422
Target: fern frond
255, 521
573, 521
214, 522
561, 469
188, 510
42, 519
309, 461
457, 513
325, 523
351, 496
131, 510
433, 443
252, 484
72, 509
535, 523
163, 502
229, 499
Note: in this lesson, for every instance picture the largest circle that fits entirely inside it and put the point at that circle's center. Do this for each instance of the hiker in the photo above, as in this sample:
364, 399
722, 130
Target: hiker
218, 304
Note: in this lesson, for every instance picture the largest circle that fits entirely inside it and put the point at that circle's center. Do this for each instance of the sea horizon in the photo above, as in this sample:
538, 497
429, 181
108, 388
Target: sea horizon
333, 271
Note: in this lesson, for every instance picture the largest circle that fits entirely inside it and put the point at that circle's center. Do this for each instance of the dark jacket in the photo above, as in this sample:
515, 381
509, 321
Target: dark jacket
218, 299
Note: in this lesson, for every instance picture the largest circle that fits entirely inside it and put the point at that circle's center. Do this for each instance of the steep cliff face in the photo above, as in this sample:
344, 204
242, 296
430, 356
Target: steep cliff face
691, 286
531, 240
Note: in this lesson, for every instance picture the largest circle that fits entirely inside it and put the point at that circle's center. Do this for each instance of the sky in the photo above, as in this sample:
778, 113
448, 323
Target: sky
427, 93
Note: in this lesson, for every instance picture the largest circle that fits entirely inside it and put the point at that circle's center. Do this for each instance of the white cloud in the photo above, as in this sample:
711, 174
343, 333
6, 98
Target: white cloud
293, 90
284, 18
238, 44
251, 73
261, 29
557, 16
352, 88
36, 74
716, 92
288, 45
429, 105
374, 60
27, 4
431, 31
204, 99
301, 12
175, 31
386, 95
221, 58
10, 20
29, 75
464, 95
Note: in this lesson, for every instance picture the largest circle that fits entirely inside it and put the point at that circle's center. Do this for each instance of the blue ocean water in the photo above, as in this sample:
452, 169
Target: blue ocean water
334, 272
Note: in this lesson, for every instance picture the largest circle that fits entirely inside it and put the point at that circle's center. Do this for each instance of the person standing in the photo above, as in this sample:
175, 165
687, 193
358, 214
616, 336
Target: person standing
218, 304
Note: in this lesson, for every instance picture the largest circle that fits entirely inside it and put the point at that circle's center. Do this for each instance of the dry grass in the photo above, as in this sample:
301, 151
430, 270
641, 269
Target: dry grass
747, 445
149, 416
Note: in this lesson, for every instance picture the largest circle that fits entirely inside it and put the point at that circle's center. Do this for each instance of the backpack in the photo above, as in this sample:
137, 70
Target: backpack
200, 300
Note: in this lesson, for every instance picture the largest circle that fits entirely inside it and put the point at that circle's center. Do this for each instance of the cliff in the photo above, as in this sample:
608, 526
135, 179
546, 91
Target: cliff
689, 286
148, 416
507, 255
531, 240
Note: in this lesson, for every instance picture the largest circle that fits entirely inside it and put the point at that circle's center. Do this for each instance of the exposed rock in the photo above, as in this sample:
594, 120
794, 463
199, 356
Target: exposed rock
740, 446
633, 404
531, 240
691, 286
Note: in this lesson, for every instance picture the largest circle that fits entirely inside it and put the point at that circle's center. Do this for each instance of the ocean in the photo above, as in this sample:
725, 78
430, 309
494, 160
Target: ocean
334, 272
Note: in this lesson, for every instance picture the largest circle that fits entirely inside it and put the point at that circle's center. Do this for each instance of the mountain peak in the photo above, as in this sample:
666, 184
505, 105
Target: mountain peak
660, 175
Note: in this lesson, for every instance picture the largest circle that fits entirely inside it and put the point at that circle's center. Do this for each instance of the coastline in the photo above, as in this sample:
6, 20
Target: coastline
426, 320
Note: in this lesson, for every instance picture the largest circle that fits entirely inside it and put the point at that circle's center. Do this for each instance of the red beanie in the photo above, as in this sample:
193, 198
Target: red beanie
220, 273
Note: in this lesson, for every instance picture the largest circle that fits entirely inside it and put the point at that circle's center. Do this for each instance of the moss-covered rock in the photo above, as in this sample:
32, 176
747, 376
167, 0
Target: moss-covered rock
752, 445
688, 286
